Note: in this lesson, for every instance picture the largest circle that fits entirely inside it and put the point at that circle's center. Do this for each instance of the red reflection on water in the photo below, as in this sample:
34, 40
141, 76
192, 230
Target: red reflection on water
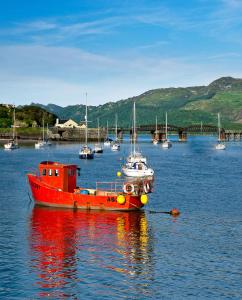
59, 237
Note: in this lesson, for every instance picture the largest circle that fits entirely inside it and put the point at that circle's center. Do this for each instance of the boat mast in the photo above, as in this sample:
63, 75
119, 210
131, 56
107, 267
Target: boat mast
43, 129
156, 124
134, 129
98, 133
166, 125
219, 127
14, 123
116, 126
86, 121
107, 130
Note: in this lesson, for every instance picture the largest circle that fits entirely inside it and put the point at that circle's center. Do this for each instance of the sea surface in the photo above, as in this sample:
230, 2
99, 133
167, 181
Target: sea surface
64, 254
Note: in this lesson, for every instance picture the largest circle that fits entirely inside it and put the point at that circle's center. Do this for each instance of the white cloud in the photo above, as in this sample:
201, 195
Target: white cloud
63, 75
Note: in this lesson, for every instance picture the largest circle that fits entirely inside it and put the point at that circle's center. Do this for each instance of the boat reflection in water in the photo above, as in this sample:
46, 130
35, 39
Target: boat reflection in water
90, 252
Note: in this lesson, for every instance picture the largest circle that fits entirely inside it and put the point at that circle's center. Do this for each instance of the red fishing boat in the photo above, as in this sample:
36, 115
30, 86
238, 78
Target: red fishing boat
55, 185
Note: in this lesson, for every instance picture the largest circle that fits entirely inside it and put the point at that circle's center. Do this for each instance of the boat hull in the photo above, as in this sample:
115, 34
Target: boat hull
86, 156
45, 195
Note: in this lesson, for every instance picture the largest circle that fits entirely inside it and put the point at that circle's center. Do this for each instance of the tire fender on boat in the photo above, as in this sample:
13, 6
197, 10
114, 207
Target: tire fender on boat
128, 188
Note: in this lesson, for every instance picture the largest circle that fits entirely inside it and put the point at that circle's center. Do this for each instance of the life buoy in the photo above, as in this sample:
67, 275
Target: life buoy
146, 187
128, 188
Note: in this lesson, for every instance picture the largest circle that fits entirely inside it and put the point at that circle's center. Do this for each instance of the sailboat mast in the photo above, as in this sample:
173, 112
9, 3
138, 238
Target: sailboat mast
116, 126
86, 122
134, 129
43, 129
107, 129
166, 125
219, 127
14, 123
156, 124
98, 133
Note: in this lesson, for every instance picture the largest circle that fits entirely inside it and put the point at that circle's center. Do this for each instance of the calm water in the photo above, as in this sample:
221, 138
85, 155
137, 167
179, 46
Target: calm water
61, 254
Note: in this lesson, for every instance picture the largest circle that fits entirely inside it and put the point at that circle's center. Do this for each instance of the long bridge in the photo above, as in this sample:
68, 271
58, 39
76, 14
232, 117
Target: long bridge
182, 132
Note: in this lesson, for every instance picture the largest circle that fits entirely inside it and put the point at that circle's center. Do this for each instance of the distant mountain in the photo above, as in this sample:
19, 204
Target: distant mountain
185, 106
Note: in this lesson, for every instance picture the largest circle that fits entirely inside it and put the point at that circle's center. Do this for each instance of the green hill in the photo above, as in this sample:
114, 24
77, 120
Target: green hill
185, 106
26, 116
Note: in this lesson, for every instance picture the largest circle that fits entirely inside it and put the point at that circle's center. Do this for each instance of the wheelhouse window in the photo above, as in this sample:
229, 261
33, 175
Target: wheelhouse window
56, 172
50, 172
44, 172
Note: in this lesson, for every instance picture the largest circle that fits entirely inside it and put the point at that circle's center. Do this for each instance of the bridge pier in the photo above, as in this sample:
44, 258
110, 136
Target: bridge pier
120, 135
159, 136
182, 136
133, 136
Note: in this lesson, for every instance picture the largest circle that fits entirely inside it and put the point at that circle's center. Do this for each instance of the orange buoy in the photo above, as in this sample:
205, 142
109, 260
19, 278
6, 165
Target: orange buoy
175, 212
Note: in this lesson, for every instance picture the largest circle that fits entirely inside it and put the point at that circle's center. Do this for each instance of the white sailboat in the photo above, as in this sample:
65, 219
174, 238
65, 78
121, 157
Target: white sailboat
136, 165
86, 152
115, 144
166, 143
219, 145
155, 141
13, 143
98, 147
41, 143
107, 141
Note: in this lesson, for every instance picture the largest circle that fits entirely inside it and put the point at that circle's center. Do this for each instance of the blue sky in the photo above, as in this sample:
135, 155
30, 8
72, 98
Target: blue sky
55, 51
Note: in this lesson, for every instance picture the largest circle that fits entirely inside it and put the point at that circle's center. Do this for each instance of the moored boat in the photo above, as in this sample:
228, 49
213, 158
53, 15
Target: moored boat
166, 144
86, 151
136, 164
13, 143
55, 186
220, 145
98, 147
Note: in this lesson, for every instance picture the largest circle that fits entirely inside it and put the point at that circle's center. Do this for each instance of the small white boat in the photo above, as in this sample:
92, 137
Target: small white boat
166, 144
115, 146
13, 143
98, 148
155, 142
42, 143
86, 152
107, 141
219, 145
137, 169
136, 165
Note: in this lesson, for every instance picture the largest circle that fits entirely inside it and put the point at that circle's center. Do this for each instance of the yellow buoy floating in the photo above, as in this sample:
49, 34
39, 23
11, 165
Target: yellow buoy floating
144, 199
119, 173
121, 199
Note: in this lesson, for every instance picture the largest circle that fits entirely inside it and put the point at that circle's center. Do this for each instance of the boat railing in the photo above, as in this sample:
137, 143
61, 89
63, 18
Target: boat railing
112, 187
118, 186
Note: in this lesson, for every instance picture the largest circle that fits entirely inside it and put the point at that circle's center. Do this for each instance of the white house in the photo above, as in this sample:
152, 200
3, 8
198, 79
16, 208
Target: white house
68, 124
